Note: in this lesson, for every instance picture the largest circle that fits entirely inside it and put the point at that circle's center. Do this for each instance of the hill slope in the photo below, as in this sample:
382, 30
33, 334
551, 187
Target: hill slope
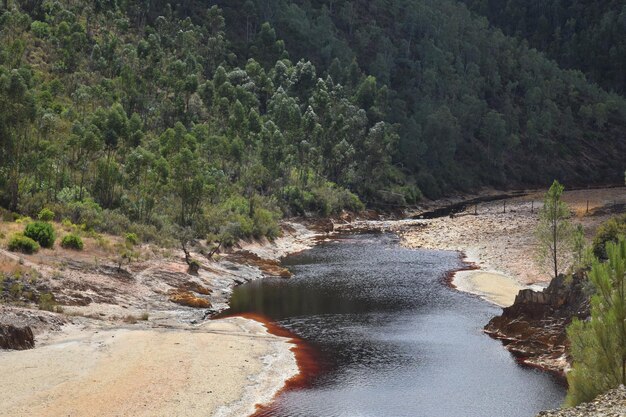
171, 113
582, 34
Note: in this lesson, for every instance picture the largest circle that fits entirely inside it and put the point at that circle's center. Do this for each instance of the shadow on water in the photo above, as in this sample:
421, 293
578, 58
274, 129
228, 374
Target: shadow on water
391, 338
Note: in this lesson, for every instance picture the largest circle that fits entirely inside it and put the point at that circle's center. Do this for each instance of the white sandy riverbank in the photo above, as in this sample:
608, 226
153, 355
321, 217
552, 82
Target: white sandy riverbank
223, 368
502, 244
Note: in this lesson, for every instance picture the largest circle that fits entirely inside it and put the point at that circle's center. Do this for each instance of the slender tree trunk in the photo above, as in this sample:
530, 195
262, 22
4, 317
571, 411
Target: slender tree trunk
623, 330
554, 240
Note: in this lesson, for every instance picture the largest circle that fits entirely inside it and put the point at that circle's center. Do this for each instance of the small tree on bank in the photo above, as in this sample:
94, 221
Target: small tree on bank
554, 232
598, 346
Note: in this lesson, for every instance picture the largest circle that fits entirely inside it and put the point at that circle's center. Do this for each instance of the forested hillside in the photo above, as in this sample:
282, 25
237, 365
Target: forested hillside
225, 117
581, 34
473, 106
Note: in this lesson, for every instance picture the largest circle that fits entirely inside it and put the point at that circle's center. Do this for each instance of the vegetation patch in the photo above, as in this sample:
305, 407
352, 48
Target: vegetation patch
72, 241
46, 215
20, 243
41, 232
609, 231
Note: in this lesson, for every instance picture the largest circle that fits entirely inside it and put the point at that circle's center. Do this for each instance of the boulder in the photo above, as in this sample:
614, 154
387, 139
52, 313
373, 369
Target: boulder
17, 338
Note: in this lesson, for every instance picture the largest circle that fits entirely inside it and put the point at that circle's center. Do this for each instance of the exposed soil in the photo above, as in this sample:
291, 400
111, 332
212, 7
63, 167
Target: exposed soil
117, 329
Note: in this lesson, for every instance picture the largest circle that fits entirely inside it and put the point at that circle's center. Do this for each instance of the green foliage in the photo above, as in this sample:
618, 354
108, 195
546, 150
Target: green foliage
20, 243
72, 241
325, 198
554, 231
598, 346
47, 302
132, 239
124, 254
41, 232
569, 31
46, 215
40, 29
473, 107
265, 223
608, 231
582, 254
125, 118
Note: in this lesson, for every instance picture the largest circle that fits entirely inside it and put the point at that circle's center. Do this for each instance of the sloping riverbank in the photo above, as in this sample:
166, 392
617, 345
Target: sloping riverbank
497, 237
121, 346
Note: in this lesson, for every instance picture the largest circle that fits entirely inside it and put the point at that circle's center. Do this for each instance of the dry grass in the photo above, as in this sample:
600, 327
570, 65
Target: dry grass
97, 247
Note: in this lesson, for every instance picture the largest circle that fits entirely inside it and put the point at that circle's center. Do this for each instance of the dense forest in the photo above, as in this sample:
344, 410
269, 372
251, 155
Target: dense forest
581, 34
150, 115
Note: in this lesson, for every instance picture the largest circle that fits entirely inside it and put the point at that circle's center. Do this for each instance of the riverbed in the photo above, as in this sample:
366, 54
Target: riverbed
391, 338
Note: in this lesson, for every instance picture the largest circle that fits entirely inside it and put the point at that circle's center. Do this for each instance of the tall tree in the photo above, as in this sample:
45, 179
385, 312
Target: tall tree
554, 231
598, 346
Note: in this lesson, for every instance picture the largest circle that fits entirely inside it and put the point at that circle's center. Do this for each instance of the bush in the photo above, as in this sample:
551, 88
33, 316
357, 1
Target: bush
265, 224
23, 220
608, 231
86, 212
40, 232
21, 243
46, 215
429, 185
132, 239
325, 199
47, 302
72, 241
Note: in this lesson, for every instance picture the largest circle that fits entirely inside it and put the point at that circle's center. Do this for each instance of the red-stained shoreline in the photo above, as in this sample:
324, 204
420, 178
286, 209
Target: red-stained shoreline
307, 358
448, 277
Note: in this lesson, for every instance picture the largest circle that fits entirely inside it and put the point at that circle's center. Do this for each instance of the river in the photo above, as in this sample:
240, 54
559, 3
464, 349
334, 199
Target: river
392, 339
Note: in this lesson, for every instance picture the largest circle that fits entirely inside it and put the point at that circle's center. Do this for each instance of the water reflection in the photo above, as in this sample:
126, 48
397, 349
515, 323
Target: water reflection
393, 339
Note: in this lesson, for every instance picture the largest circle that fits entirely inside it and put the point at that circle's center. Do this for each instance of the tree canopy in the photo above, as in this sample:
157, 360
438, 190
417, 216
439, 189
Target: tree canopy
225, 116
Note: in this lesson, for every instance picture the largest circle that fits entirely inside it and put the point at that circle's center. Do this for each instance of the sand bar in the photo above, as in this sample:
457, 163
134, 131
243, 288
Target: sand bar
491, 286
222, 367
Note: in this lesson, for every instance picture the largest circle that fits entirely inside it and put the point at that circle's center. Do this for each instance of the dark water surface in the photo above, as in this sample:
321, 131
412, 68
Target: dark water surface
393, 339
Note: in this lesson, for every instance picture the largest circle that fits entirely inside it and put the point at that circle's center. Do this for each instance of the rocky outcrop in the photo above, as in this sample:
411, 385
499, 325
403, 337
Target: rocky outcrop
17, 338
269, 267
534, 327
610, 404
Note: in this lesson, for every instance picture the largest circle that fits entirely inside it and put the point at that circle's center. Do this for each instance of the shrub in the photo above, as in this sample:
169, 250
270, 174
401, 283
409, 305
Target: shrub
608, 231
41, 232
350, 201
72, 241
114, 222
86, 212
429, 185
132, 239
47, 302
265, 224
23, 220
21, 243
46, 215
